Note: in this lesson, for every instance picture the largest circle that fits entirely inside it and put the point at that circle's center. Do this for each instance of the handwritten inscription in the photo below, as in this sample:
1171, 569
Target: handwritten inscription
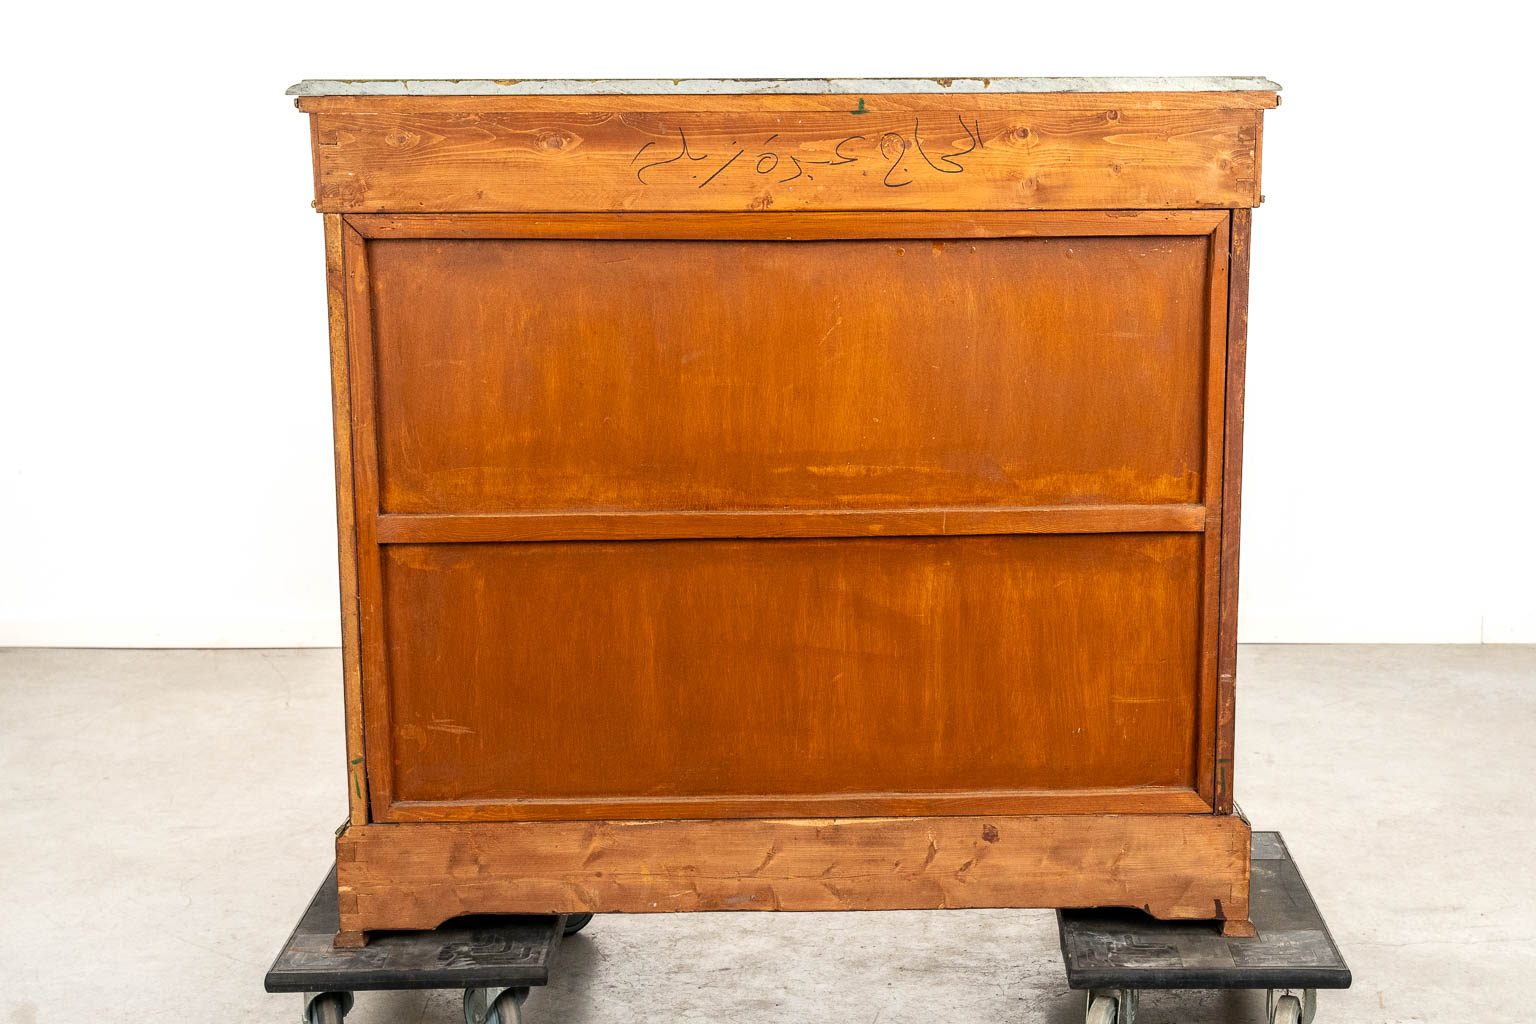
893, 154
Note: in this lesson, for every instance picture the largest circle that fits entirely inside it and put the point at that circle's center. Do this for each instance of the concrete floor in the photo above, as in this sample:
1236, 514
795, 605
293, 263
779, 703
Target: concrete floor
165, 814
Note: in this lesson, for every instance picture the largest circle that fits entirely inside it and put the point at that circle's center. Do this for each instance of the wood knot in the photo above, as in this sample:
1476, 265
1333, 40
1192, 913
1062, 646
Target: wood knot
989, 833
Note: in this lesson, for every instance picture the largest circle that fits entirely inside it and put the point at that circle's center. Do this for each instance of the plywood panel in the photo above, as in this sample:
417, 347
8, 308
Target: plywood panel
561, 374
739, 677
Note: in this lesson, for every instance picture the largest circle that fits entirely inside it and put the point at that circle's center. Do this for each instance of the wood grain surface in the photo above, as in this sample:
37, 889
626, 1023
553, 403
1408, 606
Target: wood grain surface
346, 520
1037, 154
1232, 492
814, 226
788, 502
953, 521
744, 676
416, 876
627, 375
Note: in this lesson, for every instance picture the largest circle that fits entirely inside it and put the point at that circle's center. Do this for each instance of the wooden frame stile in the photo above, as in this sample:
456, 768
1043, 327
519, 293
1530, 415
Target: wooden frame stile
346, 519
1232, 486
362, 490
1210, 607
366, 490
1217, 698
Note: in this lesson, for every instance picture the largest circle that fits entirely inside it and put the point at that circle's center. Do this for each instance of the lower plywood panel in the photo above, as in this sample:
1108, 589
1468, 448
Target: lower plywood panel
753, 679
419, 875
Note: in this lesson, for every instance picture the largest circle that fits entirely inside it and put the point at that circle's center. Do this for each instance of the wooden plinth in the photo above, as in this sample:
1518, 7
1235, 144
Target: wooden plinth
419, 875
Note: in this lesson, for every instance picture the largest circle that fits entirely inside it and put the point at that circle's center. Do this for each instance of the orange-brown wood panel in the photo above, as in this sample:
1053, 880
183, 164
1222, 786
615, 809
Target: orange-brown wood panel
791, 227
756, 678
416, 876
549, 374
346, 520
905, 522
1211, 482
1232, 495
1038, 154
365, 487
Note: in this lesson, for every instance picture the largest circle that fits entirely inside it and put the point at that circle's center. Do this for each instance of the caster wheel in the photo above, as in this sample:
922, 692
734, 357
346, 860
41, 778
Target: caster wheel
576, 922
326, 1007
1289, 1007
1112, 1006
494, 1005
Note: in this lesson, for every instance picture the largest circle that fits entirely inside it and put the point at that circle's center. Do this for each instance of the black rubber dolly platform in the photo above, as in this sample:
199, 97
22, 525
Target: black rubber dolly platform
494, 959
1114, 954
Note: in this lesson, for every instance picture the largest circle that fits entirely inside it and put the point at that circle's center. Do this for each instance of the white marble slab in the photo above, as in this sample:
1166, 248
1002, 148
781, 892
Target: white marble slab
762, 86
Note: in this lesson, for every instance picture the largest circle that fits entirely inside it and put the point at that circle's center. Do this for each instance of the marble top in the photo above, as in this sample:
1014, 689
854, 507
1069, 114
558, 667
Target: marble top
761, 86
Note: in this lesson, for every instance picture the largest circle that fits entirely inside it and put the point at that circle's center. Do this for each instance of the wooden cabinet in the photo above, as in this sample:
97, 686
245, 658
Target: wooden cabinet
798, 496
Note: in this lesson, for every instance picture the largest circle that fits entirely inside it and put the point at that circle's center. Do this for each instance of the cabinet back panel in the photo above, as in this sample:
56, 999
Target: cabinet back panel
560, 374
598, 679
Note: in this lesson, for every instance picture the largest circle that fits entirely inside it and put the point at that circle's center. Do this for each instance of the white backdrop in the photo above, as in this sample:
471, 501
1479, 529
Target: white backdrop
165, 475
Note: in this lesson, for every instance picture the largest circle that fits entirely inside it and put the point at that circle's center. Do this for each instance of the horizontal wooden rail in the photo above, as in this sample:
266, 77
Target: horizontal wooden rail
1116, 153
790, 226
1171, 865
907, 522
1137, 800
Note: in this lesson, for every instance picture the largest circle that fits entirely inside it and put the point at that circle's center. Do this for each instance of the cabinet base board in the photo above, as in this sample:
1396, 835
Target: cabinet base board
418, 875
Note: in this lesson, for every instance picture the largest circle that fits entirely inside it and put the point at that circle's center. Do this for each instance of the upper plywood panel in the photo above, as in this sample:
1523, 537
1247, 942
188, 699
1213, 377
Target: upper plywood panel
561, 375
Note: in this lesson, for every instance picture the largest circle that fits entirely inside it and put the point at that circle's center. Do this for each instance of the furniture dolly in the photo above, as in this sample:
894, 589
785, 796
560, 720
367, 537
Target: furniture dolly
1112, 955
